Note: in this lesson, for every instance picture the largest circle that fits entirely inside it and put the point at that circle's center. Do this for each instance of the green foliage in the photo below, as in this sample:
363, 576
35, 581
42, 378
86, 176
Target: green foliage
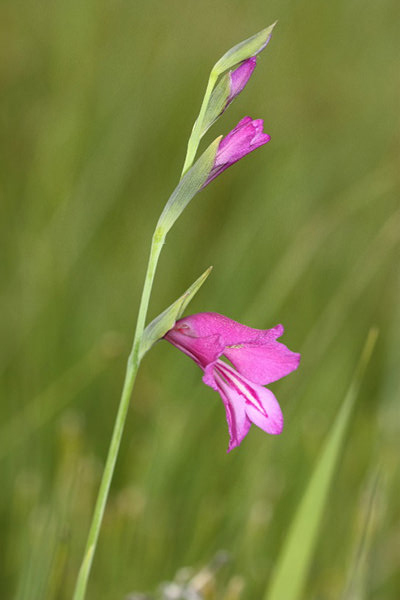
190, 184
217, 103
166, 320
293, 563
244, 50
97, 102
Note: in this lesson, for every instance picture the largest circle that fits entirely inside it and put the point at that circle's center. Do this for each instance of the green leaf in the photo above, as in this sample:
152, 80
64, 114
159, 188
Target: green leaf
244, 50
189, 185
167, 319
217, 103
294, 562
371, 511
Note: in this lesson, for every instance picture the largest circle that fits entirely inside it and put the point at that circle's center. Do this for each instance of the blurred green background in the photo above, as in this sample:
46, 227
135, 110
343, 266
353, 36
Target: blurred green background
98, 99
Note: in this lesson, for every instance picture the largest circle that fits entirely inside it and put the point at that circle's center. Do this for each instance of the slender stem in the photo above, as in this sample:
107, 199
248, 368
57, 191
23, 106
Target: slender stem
130, 376
132, 367
156, 245
195, 136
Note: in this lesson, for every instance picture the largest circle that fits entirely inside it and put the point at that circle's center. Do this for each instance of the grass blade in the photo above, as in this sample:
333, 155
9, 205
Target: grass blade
294, 561
356, 586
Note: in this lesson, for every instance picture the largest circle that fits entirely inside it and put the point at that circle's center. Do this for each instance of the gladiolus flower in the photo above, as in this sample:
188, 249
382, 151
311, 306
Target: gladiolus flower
243, 139
256, 359
239, 77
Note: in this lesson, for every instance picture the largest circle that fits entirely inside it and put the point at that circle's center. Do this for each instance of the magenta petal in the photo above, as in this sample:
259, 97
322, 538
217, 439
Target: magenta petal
240, 76
254, 352
263, 362
231, 332
262, 408
235, 130
238, 421
203, 350
258, 358
209, 376
270, 419
243, 139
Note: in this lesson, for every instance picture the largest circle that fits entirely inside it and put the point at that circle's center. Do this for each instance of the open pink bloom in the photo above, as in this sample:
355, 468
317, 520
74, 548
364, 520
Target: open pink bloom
256, 359
243, 139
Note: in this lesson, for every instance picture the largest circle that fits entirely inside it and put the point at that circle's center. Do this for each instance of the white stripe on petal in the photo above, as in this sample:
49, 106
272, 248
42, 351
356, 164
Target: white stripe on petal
238, 421
260, 404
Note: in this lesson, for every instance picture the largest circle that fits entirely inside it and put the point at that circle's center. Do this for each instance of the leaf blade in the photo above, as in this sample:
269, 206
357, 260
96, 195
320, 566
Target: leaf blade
294, 562
244, 50
167, 319
190, 184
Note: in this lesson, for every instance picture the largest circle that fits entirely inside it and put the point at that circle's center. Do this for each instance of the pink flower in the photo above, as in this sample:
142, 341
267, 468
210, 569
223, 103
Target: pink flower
243, 139
256, 359
239, 78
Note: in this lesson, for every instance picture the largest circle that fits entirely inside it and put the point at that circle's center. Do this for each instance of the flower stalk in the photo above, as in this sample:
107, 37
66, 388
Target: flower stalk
195, 136
195, 176
129, 381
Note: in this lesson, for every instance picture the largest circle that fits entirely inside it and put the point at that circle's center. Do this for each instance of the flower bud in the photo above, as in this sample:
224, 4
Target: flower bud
230, 86
243, 139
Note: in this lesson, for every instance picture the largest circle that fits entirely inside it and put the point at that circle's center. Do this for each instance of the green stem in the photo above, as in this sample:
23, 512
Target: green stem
195, 136
132, 367
130, 376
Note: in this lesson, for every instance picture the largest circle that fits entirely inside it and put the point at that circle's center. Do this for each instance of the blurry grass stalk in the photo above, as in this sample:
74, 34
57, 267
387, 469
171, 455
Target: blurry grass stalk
294, 562
356, 585
43, 407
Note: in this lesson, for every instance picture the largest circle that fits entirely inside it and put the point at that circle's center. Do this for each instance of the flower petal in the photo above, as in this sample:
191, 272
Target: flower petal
240, 76
238, 421
203, 350
259, 358
243, 139
254, 352
263, 361
260, 404
270, 419
231, 332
